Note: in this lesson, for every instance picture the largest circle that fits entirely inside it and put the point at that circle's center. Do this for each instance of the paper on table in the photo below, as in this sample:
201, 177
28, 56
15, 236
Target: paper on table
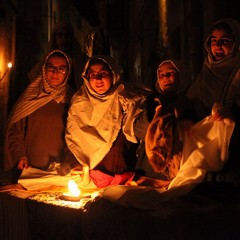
33, 179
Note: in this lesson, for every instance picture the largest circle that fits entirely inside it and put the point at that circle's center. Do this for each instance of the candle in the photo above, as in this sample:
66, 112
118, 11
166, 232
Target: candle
85, 177
9, 67
73, 193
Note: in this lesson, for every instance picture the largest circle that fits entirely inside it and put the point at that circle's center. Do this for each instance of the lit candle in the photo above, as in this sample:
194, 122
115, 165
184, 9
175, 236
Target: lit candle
9, 66
73, 193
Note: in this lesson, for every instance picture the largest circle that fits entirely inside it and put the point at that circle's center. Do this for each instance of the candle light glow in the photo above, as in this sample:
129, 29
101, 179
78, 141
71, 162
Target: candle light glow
9, 65
73, 188
73, 193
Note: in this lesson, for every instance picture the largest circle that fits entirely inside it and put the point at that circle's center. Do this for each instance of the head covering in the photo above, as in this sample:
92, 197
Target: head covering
212, 84
95, 120
176, 66
40, 92
235, 28
36, 95
74, 51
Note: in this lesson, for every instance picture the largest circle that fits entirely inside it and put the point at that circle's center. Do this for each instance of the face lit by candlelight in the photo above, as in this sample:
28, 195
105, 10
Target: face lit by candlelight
168, 77
100, 78
56, 69
221, 43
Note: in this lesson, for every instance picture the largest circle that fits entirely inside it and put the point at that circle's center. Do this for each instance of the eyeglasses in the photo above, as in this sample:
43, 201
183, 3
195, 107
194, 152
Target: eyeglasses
167, 74
60, 70
99, 75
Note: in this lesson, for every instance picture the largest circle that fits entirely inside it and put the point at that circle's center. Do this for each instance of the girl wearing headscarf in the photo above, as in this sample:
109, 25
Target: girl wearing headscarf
219, 80
160, 151
178, 150
217, 87
64, 39
100, 123
36, 125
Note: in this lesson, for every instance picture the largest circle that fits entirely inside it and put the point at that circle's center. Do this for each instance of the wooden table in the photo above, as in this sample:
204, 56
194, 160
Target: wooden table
198, 215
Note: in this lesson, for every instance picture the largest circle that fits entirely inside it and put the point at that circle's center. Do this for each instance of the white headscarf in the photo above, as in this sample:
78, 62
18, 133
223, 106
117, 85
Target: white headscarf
213, 83
174, 64
95, 120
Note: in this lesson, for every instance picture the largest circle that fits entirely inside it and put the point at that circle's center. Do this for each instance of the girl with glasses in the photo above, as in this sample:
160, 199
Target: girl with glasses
36, 125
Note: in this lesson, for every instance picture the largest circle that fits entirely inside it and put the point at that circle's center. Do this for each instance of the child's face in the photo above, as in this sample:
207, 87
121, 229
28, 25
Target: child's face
100, 78
56, 70
168, 78
221, 44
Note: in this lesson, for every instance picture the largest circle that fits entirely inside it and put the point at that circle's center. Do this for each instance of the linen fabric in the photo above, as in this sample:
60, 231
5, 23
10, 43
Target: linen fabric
95, 121
218, 81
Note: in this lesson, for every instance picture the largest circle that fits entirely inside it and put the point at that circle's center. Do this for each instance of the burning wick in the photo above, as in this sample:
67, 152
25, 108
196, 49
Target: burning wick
73, 188
74, 193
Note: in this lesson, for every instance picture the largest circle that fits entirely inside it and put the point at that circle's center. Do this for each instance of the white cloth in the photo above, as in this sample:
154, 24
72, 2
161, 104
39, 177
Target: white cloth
218, 81
205, 149
35, 179
95, 120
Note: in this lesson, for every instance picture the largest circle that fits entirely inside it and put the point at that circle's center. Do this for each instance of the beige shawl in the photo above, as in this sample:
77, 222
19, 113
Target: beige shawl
36, 95
75, 52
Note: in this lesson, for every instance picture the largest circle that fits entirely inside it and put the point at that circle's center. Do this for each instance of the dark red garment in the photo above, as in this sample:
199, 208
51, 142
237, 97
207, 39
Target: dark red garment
102, 180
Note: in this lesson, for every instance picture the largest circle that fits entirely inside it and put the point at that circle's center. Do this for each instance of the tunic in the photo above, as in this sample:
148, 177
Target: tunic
41, 148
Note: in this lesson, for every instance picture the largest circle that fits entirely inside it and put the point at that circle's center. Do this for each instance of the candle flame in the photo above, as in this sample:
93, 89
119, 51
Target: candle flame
9, 65
73, 188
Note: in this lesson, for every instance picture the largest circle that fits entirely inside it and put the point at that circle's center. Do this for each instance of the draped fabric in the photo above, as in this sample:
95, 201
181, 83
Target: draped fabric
219, 81
37, 94
205, 149
40, 92
218, 84
162, 143
165, 110
73, 50
95, 120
